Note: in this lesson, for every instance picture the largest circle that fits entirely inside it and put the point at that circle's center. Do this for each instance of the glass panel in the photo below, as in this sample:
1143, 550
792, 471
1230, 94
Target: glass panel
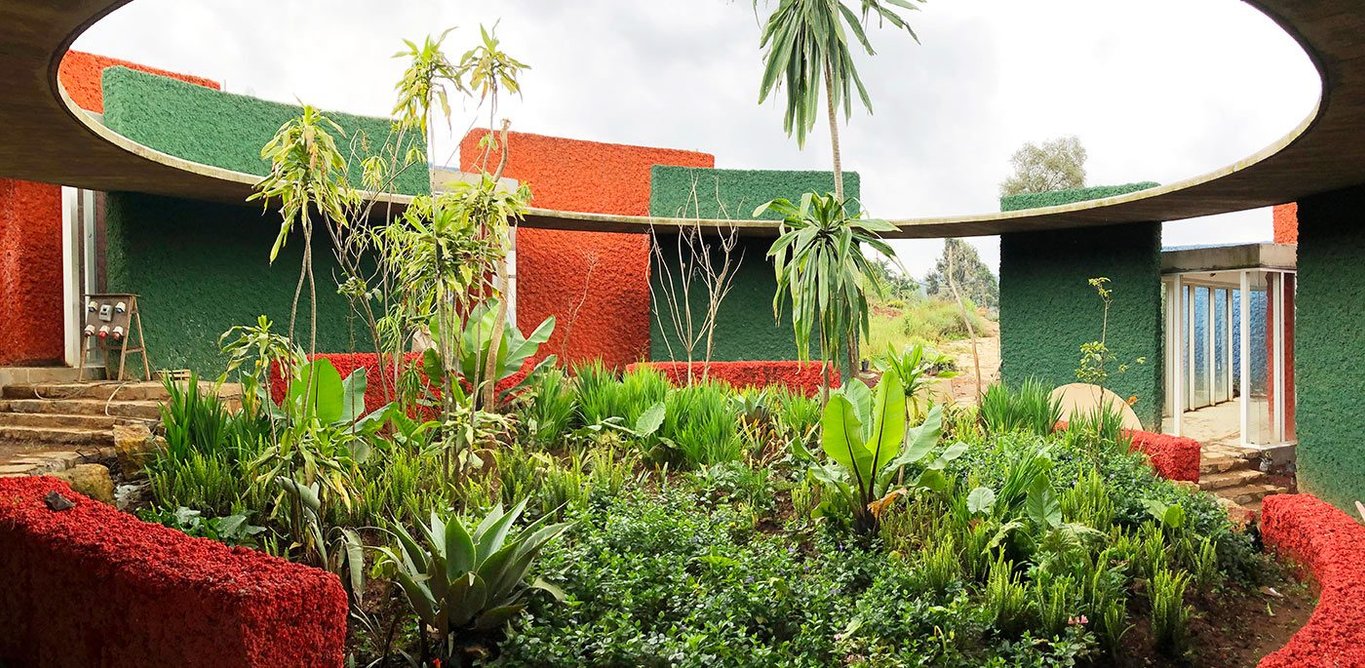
1200, 395
1221, 391
1260, 421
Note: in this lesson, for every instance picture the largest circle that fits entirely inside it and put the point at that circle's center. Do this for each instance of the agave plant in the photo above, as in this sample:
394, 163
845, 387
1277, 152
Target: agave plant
465, 586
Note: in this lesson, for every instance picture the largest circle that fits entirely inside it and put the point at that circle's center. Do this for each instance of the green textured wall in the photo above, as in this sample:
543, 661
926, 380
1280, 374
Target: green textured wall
1048, 309
203, 268
1060, 197
226, 130
1328, 340
746, 329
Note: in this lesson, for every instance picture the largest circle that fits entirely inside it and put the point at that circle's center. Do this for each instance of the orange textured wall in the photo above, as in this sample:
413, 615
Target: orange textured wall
30, 273
80, 74
31, 234
595, 284
1287, 223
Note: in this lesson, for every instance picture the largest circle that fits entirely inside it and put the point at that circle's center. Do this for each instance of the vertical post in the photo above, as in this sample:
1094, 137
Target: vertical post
1178, 377
1227, 342
1245, 336
1278, 323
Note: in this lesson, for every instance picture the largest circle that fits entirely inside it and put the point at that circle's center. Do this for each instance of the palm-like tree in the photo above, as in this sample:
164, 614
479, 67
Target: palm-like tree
807, 45
820, 263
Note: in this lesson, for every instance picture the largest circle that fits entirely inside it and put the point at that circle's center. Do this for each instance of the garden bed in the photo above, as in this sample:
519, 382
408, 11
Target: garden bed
703, 529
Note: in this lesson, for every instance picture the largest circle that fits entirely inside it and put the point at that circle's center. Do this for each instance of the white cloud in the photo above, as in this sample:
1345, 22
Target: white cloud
1161, 90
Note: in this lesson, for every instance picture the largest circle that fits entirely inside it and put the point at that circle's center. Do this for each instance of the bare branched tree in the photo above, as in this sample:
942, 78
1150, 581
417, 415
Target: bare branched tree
693, 282
962, 308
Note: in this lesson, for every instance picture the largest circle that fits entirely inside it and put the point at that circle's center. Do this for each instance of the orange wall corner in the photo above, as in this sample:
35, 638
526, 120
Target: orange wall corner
596, 284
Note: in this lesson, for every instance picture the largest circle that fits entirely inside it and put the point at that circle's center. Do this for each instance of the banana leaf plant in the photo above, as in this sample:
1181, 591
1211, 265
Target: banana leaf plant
476, 345
466, 585
866, 434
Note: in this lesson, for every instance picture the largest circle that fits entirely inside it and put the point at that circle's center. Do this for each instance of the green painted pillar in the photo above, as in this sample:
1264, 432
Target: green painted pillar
1048, 308
1329, 347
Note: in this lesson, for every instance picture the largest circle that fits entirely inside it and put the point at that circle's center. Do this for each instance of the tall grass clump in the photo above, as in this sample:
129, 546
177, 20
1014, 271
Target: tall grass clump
205, 464
549, 407
700, 425
1029, 408
595, 391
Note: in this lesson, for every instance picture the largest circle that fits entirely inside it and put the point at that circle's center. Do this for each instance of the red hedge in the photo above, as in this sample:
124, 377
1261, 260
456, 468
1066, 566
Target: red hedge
801, 376
374, 387
1173, 457
92, 586
1331, 547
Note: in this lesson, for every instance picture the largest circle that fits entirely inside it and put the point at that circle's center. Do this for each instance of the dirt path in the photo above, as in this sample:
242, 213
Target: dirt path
988, 347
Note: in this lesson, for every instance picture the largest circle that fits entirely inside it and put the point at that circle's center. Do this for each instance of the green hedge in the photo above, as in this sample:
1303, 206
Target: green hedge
225, 130
1062, 197
746, 329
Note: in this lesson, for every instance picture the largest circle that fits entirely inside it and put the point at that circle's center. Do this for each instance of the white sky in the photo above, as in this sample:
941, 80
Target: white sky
1159, 90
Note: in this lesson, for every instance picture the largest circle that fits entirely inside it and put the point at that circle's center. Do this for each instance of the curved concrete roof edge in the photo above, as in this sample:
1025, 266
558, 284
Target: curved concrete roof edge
45, 136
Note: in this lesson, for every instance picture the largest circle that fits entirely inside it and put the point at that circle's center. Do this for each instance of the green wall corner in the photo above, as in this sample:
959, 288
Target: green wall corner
1329, 369
201, 268
1048, 309
746, 329
225, 130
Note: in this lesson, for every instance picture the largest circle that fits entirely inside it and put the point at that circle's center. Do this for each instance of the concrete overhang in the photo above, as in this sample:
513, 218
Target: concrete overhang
44, 136
1227, 258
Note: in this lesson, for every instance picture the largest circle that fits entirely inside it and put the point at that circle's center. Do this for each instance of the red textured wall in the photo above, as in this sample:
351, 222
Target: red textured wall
1287, 223
31, 234
800, 376
1331, 546
80, 74
595, 284
31, 273
92, 586
347, 363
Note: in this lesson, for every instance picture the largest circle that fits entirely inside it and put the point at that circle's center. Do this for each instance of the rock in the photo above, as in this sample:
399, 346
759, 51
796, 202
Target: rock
55, 501
135, 446
92, 480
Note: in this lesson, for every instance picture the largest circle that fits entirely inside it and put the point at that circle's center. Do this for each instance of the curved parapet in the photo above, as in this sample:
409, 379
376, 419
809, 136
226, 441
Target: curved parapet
45, 136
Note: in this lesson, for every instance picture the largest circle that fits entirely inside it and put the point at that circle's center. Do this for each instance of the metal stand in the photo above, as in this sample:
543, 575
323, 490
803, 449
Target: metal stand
103, 319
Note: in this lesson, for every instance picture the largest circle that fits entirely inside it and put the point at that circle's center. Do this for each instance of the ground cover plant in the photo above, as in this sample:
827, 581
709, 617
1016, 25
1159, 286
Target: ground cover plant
983, 538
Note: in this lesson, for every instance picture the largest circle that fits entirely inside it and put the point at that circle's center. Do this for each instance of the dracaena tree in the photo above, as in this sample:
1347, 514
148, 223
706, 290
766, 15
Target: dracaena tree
808, 47
822, 268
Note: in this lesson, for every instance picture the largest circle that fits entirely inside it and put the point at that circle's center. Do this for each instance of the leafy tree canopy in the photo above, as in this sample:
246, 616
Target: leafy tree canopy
974, 279
1057, 164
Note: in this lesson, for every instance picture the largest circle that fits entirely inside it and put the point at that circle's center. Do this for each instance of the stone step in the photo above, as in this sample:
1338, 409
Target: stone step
1226, 479
1220, 463
1248, 494
106, 390
146, 410
61, 421
66, 436
102, 391
46, 374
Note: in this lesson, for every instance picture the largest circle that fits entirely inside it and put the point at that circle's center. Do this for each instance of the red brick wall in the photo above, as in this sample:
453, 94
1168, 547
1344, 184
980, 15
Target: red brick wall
1287, 223
595, 284
31, 234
